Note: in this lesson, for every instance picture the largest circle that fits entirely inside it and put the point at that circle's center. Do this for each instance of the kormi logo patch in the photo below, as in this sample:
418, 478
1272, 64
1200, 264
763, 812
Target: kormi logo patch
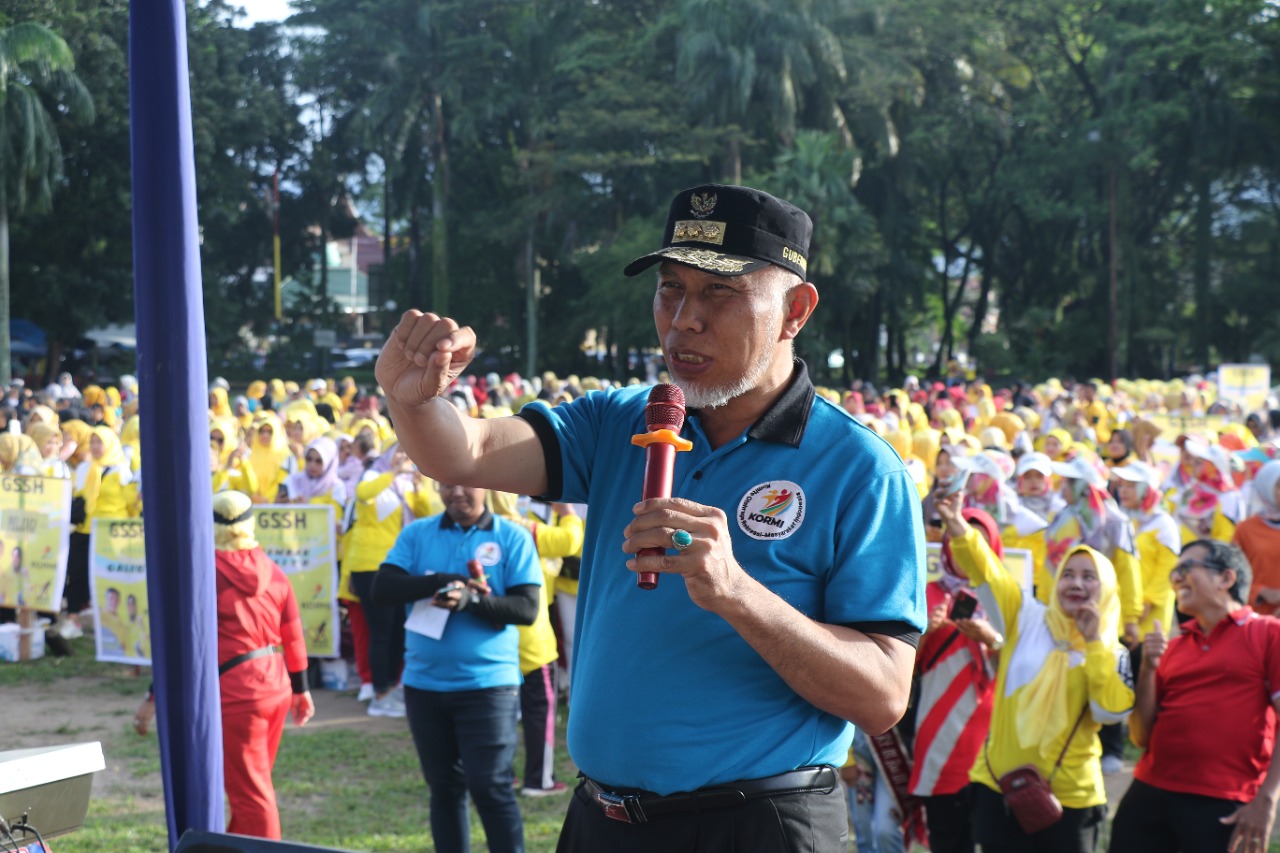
772, 510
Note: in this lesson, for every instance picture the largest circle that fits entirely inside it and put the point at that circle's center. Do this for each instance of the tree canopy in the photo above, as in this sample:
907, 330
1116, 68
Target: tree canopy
981, 175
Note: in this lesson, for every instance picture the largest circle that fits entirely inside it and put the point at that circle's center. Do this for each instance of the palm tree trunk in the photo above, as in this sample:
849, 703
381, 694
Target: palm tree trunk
5, 366
440, 214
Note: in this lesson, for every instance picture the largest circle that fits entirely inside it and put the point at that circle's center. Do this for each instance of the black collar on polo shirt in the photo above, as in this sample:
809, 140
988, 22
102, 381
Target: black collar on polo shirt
784, 422
485, 522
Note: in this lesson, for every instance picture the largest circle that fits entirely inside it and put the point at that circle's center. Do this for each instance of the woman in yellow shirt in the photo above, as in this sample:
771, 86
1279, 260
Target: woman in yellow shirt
390, 495
1061, 675
270, 457
48, 439
111, 491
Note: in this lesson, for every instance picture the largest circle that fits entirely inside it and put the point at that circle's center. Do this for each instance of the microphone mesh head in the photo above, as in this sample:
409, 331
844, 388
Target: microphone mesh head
665, 409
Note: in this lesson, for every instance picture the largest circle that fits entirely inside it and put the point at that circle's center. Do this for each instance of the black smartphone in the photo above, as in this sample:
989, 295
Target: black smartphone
442, 594
963, 606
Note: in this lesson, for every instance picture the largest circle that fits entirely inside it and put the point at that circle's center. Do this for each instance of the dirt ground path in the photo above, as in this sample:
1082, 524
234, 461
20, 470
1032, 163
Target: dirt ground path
79, 710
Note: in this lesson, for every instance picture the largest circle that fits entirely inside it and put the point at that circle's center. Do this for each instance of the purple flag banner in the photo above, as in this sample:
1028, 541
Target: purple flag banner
173, 411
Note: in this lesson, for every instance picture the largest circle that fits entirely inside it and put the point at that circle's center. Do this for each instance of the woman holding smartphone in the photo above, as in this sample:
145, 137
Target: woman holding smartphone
1061, 675
956, 667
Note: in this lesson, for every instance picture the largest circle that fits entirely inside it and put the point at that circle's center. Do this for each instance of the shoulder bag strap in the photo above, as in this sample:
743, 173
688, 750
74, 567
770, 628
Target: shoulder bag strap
1061, 755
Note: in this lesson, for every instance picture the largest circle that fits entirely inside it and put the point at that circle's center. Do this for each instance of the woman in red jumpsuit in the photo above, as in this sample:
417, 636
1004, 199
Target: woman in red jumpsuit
262, 663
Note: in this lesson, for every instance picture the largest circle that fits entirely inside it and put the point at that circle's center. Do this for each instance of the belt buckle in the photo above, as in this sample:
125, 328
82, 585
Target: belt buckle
621, 808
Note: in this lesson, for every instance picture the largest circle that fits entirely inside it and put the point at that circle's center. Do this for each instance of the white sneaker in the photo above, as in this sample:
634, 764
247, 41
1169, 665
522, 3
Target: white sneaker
70, 630
386, 706
1112, 764
398, 692
366, 692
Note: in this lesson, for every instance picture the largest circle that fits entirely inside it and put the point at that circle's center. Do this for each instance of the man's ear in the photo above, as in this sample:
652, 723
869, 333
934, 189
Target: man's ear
802, 299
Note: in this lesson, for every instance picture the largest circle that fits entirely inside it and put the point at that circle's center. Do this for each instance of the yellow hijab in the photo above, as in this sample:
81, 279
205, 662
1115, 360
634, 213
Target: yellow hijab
220, 408
131, 437
267, 461
41, 415
1064, 438
95, 396
42, 432
1043, 716
230, 437
18, 449
924, 444
256, 389
79, 432
112, 452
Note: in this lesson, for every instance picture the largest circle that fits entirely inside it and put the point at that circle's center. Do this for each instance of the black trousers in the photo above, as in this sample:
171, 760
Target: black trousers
950, 821
808, 822
386, 634
76, 590
538, 719
1153, 820
997, 830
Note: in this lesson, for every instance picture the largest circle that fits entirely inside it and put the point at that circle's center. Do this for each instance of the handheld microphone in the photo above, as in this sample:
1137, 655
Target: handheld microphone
663, 418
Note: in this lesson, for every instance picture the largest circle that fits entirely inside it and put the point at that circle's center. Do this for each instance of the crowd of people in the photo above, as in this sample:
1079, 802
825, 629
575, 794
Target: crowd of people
1150, 510
1107, 501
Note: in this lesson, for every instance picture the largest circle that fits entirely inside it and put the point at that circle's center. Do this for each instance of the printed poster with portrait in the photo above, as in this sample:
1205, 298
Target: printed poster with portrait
1017, 561
34, 536
118, 585
300, 538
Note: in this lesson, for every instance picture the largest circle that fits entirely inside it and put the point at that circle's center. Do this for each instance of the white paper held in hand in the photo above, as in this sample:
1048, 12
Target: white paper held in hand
427, 619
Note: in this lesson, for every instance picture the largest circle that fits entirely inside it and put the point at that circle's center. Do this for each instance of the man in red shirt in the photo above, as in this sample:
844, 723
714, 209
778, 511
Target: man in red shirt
1206, 712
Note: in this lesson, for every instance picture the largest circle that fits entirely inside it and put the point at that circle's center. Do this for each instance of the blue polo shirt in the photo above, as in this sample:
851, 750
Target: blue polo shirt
667, 696
472, 653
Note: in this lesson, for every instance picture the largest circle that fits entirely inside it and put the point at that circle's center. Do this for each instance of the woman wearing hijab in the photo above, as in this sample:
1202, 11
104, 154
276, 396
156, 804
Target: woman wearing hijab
390, 495
1092, 518
1209, 506
1156, 540
956, 667
262, 666
1145, 434
218, 405
19, 455
254, 393
270, 457
112, 490
242, 412
1259, 538
945, 474
48, 440
93, 396
1060, 676
131, 442
318, 482
230, 464
75, 452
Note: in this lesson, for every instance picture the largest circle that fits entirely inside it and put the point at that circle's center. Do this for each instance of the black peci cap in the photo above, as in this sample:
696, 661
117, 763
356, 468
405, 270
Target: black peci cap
731, 231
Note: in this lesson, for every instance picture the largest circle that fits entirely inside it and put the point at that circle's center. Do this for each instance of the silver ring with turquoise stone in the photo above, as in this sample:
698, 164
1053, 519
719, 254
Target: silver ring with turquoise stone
681, 539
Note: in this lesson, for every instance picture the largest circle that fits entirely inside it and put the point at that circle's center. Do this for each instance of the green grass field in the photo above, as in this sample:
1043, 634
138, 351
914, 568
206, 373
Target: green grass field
343, 785
341, 782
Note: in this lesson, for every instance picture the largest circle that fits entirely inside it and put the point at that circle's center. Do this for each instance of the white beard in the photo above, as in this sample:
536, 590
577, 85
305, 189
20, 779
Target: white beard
702, 397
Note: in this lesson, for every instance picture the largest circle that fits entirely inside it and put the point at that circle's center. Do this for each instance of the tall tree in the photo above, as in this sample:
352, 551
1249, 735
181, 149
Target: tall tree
36, 68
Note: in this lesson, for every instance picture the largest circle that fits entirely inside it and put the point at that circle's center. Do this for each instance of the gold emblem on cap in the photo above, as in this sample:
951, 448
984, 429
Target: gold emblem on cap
691, 230
706, 259
702, 204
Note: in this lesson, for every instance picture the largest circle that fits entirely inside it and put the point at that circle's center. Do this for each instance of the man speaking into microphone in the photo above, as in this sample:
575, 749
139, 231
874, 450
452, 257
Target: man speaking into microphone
708, 712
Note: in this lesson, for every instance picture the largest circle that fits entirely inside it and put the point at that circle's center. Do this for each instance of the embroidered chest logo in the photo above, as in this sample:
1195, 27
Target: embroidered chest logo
488, 554
772, 510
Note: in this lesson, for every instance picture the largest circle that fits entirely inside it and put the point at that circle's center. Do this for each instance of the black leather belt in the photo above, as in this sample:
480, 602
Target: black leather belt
247, 656
642, 806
